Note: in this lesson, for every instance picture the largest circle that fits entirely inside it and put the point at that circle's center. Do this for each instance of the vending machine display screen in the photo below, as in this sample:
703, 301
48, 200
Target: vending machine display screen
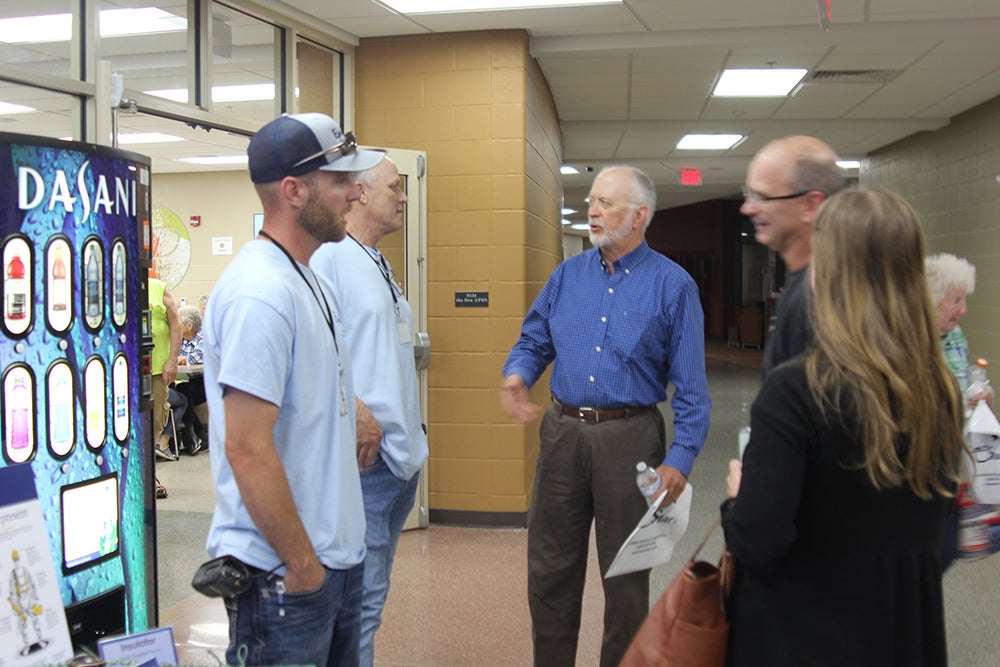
90, 518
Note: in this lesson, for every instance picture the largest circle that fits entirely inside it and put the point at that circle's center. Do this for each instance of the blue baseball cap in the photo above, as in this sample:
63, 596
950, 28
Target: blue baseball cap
292, 145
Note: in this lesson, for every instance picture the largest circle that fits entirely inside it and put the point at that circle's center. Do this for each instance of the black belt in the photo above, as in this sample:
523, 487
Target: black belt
590, 414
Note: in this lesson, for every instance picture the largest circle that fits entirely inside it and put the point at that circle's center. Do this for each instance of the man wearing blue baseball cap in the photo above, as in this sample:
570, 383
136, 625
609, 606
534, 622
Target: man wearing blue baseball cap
281, 402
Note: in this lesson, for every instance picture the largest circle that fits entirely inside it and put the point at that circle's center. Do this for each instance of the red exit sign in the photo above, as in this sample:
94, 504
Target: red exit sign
690, 176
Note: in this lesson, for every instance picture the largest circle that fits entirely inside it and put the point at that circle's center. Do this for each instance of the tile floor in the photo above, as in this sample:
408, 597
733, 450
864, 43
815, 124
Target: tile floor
458, 594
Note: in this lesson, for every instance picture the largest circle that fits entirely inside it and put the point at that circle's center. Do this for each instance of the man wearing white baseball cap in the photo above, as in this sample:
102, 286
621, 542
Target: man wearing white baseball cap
281, 405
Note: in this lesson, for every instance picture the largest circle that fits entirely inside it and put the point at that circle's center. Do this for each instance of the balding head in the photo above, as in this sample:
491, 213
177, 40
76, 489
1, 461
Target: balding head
809, 163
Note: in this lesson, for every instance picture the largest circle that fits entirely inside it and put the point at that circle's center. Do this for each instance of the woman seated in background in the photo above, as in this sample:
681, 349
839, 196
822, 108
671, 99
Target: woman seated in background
195, 434
836, 513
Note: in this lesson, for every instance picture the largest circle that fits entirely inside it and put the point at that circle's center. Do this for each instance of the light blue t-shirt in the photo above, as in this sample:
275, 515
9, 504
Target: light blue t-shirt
265, 334
380, 333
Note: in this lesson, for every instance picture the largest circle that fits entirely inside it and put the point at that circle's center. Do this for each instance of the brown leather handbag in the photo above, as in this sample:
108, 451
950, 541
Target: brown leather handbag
687, 626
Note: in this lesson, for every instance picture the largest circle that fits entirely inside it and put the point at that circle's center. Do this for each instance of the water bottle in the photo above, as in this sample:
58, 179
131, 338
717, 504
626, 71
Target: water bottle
648, 481
978, 382
744, 432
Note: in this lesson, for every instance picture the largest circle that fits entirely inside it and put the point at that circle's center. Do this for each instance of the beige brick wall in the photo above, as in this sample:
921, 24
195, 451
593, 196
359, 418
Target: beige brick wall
950, 178
478, 104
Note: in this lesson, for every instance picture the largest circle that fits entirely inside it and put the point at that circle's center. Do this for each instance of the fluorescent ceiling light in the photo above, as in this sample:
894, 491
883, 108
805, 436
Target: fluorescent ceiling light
215, 160
849, 164
139, 21
708, 142
580, 225
567, 169
8, 108
147, 138
444, 6
567, 211
565, 221
113, 23
757, 82
250, 92
173, 94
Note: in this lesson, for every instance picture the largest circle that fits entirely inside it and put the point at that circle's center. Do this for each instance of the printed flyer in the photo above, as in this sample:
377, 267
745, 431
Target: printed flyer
32, 622
652, 542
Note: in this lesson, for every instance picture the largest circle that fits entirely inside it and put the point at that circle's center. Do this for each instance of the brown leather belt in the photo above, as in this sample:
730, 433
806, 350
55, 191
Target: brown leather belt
596, 415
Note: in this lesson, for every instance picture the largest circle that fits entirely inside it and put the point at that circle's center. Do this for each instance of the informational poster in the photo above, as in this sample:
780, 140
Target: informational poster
652, 542
32, 622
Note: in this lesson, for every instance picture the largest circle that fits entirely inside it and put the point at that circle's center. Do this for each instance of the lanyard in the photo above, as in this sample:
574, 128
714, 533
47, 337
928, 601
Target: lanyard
383, 269
327, 311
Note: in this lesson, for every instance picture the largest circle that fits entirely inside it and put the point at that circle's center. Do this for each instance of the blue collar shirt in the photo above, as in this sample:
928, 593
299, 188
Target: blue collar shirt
619, 339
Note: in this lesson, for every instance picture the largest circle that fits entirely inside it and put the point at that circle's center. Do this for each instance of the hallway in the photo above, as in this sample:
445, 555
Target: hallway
458, 594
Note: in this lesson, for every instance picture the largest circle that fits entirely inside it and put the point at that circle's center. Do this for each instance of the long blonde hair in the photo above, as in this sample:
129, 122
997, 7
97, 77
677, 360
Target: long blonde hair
877, 345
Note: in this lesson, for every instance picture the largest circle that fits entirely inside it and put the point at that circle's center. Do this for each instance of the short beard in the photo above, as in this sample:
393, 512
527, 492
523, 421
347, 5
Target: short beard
321, 222
609, 237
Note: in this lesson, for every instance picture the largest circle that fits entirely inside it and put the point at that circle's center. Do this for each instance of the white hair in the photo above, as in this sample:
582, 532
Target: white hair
946, 272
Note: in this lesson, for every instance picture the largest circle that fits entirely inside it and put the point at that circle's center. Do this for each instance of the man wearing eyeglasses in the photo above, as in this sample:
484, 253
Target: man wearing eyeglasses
787, 181
281, 405
619, 323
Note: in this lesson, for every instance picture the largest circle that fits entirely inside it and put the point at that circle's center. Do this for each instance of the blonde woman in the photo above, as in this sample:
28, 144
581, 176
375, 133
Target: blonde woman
837, 511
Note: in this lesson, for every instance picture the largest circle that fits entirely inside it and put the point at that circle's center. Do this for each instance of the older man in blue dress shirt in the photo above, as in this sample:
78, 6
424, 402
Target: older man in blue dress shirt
619, 323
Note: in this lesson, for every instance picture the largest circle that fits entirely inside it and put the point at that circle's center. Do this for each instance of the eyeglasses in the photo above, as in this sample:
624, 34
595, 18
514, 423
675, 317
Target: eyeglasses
345, 147
758, 197
602, 203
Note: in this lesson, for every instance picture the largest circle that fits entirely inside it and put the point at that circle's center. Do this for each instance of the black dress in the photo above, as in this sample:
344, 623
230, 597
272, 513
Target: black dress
831, 571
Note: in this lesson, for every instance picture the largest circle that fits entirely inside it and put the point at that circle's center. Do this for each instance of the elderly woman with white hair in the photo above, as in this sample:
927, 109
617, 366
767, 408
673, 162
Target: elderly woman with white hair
950, 280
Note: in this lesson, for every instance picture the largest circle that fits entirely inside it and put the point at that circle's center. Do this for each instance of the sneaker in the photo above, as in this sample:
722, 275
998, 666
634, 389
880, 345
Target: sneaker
164, 454
194, 447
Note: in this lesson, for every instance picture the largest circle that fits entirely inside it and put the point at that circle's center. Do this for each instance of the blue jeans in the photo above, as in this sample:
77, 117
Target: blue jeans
319, 627
388, 501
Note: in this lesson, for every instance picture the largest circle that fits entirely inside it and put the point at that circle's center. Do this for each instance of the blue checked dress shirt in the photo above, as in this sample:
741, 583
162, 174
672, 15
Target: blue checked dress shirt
618, 339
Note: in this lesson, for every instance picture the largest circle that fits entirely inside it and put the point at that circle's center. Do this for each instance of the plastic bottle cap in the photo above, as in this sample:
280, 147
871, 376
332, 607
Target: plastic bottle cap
982, 363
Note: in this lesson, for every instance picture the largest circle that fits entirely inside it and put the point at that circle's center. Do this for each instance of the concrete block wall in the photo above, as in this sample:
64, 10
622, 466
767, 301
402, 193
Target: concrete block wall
950, 177
478, 104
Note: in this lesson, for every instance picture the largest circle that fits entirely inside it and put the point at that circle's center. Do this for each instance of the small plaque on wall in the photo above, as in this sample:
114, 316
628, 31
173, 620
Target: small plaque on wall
472, 299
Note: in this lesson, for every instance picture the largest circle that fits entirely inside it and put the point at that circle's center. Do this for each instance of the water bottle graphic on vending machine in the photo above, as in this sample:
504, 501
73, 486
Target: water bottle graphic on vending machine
16, 290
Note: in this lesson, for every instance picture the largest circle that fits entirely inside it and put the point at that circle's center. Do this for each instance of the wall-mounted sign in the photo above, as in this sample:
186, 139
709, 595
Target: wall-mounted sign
472, 299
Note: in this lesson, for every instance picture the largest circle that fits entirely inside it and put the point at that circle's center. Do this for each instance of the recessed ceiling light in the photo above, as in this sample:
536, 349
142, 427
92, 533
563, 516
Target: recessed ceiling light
708, 142
568, 211
8, 108
249, 92
580, 225
443, 6
567, 169
757, 82
566, 222
215, 160
849, 164
147, 138
113, 23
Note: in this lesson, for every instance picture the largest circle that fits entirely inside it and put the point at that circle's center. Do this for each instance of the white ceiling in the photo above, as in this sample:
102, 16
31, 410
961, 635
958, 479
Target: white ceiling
630, 79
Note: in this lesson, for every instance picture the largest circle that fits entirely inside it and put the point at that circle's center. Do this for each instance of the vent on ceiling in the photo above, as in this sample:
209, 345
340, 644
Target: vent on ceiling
853, 76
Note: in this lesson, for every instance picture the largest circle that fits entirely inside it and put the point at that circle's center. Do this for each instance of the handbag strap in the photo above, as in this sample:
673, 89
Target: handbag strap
704, 540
